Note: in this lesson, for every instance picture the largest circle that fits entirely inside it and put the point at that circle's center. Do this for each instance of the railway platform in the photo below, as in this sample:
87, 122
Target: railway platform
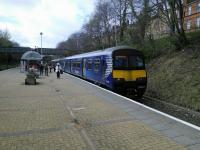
71, 114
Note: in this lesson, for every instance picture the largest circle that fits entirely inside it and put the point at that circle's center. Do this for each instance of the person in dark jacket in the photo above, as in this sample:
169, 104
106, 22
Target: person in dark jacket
41, 69
46, 69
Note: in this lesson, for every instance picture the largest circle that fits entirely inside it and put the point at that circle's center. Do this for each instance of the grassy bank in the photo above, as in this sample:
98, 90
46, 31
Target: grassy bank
174, 76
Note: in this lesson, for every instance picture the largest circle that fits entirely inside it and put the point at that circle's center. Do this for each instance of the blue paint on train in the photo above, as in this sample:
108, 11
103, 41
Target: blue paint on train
98, 66
95, 68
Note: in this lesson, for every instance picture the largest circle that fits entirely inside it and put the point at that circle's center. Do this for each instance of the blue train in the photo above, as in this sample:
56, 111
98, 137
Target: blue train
119, 68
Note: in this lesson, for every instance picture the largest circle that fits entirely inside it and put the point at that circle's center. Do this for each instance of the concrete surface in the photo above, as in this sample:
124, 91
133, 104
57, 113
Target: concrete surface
69, 114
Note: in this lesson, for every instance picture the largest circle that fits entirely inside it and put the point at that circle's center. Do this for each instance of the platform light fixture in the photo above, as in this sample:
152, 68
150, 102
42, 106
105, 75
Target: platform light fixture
41, 41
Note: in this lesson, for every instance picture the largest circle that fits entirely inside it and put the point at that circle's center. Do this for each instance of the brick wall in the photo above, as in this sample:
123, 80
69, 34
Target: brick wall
192, 15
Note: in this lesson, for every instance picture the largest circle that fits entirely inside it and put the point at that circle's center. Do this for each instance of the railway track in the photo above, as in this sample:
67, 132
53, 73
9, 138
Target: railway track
182, 113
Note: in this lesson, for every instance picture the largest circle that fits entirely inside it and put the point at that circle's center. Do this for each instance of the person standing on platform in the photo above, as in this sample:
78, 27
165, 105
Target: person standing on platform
54, 67
50, 67
41, 69
46, 69
58, 68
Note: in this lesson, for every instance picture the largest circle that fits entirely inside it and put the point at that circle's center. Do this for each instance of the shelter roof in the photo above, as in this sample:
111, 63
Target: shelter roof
31, 55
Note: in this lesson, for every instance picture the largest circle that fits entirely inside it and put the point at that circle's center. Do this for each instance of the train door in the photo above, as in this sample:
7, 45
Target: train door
84, 67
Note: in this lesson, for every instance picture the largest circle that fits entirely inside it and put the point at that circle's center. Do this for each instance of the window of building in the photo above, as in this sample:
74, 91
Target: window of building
188, 25
198, 7
189, 10
190, 1
198, 22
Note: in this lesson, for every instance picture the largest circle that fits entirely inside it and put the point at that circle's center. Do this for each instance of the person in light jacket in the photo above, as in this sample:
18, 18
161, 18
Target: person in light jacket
58, 69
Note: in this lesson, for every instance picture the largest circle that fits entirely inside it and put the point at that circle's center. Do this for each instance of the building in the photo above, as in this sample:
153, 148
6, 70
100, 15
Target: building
157, 29
191, 15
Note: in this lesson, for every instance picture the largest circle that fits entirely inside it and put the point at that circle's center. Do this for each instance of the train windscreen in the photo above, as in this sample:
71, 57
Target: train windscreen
129, 62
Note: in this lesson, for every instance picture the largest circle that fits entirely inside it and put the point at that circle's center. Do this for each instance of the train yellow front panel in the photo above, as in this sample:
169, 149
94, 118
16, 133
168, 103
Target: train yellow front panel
129, 75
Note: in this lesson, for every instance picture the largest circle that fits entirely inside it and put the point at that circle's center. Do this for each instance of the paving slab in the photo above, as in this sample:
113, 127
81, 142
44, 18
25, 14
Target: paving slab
70, 114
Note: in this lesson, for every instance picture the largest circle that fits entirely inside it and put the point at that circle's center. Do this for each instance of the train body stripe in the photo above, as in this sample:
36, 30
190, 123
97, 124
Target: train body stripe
129, 75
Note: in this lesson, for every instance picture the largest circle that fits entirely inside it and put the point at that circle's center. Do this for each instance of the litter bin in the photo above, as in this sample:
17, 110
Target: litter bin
30, 78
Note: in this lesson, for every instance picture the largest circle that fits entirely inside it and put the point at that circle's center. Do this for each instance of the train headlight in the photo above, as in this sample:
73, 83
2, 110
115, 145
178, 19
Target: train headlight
119, 79
141, 79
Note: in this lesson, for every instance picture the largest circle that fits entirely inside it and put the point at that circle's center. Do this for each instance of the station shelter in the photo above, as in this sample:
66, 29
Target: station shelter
30, 59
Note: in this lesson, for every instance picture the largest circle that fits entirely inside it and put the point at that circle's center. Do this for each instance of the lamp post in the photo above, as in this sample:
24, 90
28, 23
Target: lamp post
41, 42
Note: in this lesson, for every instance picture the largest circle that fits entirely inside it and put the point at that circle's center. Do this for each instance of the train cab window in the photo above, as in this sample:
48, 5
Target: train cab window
89, 64
121, 61
96, 64
136, 62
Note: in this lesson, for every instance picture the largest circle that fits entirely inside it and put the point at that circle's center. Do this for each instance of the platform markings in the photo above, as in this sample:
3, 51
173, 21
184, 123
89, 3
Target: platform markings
147, 107
35, 131
87, 139
82, 130
77, 109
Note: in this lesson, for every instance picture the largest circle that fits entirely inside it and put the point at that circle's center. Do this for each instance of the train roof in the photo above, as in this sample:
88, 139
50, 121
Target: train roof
107, 51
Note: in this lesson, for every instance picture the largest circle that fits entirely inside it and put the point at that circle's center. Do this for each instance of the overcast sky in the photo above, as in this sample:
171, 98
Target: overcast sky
57, 19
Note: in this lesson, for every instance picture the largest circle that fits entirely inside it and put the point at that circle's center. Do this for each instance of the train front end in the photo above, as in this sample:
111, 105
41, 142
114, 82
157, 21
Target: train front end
129, 73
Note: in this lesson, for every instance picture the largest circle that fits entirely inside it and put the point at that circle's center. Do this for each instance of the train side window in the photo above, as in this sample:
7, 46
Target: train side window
78, 64
89, 64
74, 64
96, 64
68, 63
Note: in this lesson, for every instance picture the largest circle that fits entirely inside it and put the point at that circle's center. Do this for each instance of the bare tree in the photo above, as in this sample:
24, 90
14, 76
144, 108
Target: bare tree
120, 8
142, 11
171, 12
